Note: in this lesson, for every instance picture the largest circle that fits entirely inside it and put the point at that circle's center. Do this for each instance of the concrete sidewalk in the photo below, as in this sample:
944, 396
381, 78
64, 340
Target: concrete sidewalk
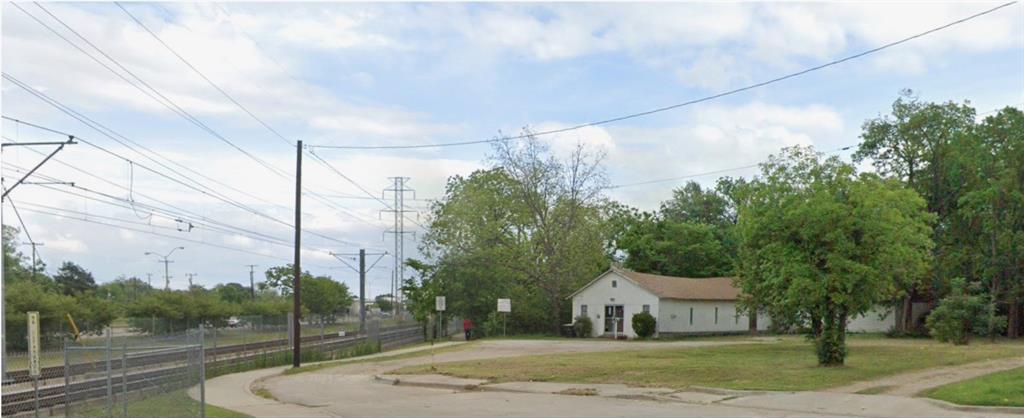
234, 391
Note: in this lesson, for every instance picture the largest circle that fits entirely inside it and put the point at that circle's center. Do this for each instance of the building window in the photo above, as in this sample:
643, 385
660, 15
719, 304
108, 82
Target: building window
615, 283
716, 315
583, 310
647, 308
691, 316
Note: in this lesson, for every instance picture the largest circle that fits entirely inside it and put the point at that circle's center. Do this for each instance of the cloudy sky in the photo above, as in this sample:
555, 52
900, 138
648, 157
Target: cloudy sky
395, 74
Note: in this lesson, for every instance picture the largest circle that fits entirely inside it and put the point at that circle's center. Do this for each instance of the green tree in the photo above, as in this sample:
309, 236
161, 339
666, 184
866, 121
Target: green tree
963, 312
18, 267
532, 227
821, 244
692, 203
232, 292
280, 278
916, 144
673, 247
325, 297
72, 279
383, 302
176, 311
993, 202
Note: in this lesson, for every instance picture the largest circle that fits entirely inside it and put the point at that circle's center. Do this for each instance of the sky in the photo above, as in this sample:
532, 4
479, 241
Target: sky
212, 136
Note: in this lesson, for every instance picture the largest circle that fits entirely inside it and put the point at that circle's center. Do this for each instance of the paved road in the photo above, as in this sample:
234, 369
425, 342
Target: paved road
353, 390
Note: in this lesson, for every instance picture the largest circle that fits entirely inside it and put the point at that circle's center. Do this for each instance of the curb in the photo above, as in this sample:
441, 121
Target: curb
975, 408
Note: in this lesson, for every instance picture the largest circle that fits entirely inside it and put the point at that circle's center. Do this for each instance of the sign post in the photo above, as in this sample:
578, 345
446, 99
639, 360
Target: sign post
439, 305
504, 306
33, 354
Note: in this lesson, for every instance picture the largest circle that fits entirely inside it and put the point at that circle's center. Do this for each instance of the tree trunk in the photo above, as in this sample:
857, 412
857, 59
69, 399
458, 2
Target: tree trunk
556, 310
753, 321
816, 326
908, 312
1014, 318
832, 340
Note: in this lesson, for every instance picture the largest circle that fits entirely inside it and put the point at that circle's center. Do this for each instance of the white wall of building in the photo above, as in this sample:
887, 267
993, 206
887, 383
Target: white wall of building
878, 319
625, 293
674, 316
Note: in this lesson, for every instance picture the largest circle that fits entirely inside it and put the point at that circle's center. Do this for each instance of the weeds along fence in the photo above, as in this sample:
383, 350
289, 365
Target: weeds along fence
132, 371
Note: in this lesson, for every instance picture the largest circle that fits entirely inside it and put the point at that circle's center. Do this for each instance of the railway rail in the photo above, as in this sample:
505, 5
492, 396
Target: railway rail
173, 375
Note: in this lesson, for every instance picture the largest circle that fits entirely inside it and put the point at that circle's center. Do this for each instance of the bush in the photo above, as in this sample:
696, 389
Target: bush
583, 327
644, 324
961, 314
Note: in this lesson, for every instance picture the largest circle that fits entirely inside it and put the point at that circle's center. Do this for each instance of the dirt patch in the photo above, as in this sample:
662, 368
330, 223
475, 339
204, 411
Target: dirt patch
578, 392
913, 383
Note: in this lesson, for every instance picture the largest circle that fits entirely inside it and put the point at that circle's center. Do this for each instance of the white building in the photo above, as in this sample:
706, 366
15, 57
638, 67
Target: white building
681, 305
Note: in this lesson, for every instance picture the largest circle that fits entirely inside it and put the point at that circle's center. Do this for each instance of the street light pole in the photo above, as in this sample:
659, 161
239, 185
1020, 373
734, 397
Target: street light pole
167, 262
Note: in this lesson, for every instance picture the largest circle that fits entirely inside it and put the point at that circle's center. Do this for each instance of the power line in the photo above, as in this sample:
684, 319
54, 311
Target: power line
170, 104
677, 105
359, 186
237, 103
200, 73
88, 122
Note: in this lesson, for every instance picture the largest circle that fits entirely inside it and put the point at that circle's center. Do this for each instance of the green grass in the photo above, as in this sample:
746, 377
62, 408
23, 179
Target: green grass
786, 365
171, 404
996, 389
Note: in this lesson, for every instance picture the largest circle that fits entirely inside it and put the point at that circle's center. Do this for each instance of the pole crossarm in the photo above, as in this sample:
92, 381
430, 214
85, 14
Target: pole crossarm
70, 141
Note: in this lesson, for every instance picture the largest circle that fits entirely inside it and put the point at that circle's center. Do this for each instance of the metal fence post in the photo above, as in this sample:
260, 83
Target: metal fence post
124, 377
67, 380
110, 383
202, 370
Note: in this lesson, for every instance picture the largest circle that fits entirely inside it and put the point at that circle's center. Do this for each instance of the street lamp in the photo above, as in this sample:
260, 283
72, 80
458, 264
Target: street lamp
167, 275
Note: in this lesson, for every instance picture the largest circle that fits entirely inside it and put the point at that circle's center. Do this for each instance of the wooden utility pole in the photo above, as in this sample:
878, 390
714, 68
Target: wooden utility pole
252, 282
297, 281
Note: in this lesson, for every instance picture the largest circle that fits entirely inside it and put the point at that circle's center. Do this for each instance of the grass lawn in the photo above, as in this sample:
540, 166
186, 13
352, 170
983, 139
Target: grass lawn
787, 365
172, 404
997, 389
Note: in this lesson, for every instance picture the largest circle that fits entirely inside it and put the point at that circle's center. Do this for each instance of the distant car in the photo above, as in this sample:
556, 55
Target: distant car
234, 322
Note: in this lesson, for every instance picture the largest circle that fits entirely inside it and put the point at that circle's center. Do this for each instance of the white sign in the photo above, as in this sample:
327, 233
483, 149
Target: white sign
439, 303
33, 343
504, 305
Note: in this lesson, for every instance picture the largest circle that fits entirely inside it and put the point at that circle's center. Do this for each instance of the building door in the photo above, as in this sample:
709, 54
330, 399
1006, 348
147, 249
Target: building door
613, 318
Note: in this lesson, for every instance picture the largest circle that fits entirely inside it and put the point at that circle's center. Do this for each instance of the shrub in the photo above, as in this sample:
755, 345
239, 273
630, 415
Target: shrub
583, 327
961, 314
644, 324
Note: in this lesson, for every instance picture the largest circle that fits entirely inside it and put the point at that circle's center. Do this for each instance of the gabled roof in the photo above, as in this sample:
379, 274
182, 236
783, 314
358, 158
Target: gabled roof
670, 287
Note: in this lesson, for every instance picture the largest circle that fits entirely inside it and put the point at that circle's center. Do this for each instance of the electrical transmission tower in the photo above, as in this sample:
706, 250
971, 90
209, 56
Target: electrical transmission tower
398, 190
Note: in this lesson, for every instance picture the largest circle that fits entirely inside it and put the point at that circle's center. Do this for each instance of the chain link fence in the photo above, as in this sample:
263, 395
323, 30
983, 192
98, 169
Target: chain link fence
156, 367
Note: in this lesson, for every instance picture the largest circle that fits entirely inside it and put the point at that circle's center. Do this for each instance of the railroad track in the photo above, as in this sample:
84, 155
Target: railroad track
176, 375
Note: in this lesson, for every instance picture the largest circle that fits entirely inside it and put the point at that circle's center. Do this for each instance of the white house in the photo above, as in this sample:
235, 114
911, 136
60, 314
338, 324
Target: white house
681, 305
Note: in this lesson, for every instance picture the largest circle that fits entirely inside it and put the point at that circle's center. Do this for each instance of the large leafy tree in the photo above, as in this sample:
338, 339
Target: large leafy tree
232, 292
821, 244
325, 297
72, 279
532, 228
674, 247
917, 144
994, 204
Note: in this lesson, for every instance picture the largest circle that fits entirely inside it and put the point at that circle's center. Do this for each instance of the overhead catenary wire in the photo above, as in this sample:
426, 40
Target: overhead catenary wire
97, 127
230, 98
170, 104
677, 105
174, 107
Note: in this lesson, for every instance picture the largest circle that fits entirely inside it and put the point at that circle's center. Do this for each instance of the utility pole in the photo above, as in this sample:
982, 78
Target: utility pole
190, 277
297, 281
252, 282
398, 190
167, 261
362, 279
149, 279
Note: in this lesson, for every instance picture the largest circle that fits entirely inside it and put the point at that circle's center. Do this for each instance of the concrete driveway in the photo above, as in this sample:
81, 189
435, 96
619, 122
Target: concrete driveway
358, 390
